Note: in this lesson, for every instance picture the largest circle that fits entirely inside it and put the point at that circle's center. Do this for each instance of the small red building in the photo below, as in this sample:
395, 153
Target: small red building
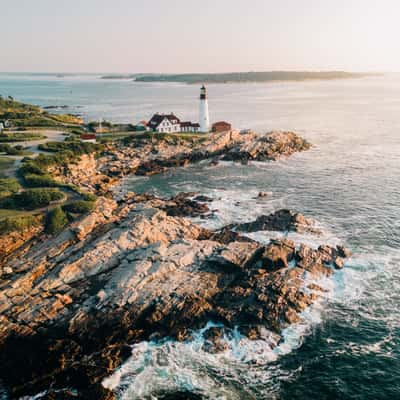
221, 126
88, 137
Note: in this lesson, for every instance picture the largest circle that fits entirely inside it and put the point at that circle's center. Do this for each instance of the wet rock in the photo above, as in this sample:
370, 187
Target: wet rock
281, 220
343, 251
277, 255
214, 340
182, 206
338, 263
251, 332
262, 195
226, 236
203, 199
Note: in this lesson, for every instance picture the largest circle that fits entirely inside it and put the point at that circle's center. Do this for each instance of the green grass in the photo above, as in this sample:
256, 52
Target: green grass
20, 136
27, 115
5, 213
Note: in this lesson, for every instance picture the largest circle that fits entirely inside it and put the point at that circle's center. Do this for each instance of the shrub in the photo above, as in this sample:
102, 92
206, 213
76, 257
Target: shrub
35, 180
13, 150
87, 196
76, 147
56, 220
9, 186
30, 167
31, 199
19, 224
79, 207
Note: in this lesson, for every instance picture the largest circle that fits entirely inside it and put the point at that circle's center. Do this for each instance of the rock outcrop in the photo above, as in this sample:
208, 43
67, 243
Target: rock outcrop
144, 156
136, 268
129, 271
267, 148
281, 220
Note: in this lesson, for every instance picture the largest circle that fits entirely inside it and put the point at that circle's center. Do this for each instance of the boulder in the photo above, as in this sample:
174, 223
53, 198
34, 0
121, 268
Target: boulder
281, 220
277, 255
343, 251
262, 195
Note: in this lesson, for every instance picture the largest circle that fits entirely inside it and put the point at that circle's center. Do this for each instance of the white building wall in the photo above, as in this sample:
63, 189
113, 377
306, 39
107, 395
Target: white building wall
167, 127
204, 118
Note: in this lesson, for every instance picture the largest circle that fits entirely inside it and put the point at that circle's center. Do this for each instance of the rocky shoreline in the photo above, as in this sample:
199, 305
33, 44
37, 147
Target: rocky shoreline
137, 268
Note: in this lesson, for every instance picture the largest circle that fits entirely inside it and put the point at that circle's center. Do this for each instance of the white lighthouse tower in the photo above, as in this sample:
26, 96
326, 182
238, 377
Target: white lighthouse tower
204, 118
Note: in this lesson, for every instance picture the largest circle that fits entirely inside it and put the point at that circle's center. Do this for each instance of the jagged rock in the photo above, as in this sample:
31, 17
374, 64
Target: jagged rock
281, 220
338, 263
277, 255
236, 255
135, 269
137, 274
343, 251
182, 206
213, 340
103, 211
269, 147
225, 236
203, 199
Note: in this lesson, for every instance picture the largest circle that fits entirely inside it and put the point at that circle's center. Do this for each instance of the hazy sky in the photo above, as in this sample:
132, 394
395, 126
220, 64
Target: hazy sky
199, 35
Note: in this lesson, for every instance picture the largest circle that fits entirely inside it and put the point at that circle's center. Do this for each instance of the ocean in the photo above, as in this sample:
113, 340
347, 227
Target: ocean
348, 345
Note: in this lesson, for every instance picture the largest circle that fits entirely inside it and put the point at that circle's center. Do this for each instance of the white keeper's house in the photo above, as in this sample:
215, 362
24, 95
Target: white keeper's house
164, 123
168, 123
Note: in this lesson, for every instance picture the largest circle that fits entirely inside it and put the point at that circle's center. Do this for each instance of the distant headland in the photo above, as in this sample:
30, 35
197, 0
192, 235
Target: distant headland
232, 77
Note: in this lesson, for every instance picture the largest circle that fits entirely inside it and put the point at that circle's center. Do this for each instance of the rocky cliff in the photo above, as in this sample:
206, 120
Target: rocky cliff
136, 268
128, 271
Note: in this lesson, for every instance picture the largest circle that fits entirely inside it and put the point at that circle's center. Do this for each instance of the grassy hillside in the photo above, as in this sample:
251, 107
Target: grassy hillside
28, 115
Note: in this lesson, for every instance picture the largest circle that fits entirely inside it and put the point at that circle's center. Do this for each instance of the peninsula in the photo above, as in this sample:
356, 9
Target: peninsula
134, 266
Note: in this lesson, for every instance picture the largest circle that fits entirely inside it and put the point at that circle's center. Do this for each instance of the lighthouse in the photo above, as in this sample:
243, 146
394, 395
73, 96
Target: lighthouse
204, 118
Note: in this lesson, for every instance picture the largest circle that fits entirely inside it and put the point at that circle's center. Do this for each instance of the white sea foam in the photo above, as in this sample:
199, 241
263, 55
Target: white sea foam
167, 365
172, 366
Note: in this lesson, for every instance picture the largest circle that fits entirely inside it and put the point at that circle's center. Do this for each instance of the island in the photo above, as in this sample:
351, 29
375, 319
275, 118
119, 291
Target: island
245, 77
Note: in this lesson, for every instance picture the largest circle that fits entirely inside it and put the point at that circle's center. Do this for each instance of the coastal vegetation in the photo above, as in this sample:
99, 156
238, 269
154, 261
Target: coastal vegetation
20, 136
24, 115
31, 199
8, 186
35, 187
13, 150
20, 223
266, 76
77, 148
56, 220
79, 206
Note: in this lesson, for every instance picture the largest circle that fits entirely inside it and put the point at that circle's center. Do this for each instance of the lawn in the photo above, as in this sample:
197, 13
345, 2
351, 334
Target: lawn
12, 213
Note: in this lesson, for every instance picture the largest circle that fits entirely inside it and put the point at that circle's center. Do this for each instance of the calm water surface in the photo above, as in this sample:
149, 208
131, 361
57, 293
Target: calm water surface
347, 347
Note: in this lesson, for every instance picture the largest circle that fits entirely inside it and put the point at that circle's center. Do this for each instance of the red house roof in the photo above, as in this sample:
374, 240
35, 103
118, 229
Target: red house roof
88, 136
